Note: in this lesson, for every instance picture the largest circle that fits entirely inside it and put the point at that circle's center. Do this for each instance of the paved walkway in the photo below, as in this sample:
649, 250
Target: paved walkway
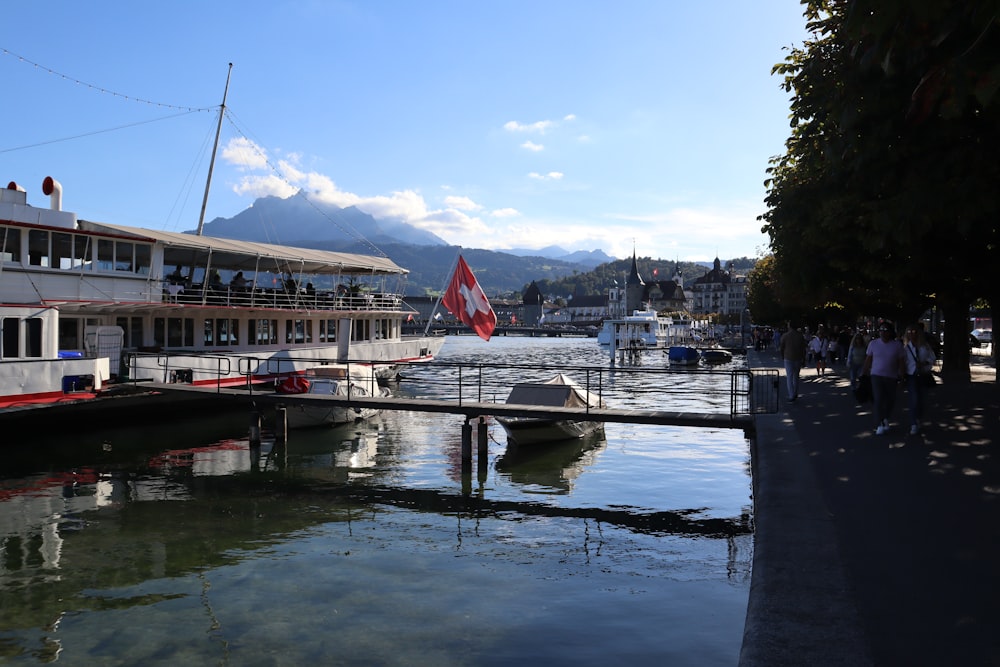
876, 550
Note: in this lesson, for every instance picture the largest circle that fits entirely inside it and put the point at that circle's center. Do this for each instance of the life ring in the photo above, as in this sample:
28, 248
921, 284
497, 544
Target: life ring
295, 384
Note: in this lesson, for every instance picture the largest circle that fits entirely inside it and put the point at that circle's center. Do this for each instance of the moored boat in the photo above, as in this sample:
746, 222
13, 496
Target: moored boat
643, 329
341, 381
560, 391
87, 305
716, 355
683, 355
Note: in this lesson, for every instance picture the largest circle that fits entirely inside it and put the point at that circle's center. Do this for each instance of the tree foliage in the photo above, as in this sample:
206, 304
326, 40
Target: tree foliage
883, 201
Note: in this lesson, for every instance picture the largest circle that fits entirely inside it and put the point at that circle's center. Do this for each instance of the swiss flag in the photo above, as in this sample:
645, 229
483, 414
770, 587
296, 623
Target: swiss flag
465, 298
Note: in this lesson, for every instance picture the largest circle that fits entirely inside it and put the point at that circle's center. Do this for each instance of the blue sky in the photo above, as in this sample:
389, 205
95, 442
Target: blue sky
515, 124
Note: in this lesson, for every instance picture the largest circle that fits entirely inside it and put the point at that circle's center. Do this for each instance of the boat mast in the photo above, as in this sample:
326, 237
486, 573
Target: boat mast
215, 147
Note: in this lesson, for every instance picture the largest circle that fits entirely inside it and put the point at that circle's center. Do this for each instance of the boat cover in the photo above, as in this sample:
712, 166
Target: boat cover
560, 391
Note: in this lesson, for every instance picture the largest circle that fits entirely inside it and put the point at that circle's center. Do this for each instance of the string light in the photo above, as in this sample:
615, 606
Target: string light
99, 89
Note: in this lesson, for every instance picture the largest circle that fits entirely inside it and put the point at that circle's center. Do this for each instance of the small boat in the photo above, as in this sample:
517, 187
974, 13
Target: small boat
683, 355
336, 380
561, 391
716, 355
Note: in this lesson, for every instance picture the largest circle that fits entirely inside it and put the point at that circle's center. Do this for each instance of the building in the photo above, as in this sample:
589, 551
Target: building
637, 294
719, 291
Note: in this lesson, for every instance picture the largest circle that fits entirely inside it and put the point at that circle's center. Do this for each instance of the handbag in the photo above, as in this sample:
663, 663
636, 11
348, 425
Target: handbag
925, 378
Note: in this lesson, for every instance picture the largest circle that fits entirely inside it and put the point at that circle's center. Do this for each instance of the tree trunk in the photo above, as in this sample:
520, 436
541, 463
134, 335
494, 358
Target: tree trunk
955, 350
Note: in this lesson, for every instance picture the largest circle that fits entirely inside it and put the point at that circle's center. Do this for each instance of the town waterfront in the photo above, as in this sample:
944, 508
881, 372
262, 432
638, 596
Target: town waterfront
367, 545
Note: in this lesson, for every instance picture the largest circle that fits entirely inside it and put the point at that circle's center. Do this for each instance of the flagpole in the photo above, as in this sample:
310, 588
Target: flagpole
447, 280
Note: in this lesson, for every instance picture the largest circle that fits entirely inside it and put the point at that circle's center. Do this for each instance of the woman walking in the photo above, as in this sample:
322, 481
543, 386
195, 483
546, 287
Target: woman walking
856, 353
919, 359
886, 365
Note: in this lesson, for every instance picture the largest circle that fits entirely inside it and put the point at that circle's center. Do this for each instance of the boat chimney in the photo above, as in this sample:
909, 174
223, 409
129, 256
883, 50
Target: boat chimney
53, 188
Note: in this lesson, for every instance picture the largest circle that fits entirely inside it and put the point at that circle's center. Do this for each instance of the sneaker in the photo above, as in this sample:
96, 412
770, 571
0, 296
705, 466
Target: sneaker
914, 430
881, 430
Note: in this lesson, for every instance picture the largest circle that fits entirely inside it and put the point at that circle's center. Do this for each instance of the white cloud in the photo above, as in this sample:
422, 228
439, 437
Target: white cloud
505, 213
540, 126
461, 203
244, 154
532, 146
569, 117
671, 231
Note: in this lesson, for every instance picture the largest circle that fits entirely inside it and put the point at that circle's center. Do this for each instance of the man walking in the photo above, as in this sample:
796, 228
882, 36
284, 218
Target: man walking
793, 351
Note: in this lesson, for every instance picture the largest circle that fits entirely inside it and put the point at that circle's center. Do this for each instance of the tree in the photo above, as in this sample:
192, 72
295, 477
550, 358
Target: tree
884, 199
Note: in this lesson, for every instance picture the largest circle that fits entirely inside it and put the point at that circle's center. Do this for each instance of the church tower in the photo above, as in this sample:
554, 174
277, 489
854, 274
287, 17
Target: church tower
635, 289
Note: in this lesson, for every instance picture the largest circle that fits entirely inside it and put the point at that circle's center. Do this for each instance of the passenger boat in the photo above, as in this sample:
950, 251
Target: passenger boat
560, 391
85, 306
643, 328
339, 380
683, 355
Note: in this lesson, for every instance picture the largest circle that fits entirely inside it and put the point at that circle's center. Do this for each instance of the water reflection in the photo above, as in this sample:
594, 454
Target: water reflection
552, 467
218, 552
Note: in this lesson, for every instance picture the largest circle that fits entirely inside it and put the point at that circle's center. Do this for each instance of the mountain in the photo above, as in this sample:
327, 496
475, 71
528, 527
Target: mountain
298, 221
589, 258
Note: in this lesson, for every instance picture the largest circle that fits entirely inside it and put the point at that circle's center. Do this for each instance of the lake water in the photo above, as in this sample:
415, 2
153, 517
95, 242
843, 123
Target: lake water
369, 545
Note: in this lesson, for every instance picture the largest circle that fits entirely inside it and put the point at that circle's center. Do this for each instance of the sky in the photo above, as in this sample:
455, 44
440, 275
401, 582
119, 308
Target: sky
640, 125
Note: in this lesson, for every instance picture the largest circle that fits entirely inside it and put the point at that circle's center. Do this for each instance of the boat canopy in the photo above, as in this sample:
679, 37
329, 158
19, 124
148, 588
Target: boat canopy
236, 255
560, 391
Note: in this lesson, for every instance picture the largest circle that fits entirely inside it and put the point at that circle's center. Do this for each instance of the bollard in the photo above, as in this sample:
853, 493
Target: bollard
483, 452
255, 429
466, 441
280, 425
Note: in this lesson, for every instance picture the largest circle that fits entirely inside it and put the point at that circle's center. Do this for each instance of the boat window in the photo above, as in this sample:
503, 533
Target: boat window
143, 258
33, 337
38, 247
327, 331
222, 332
10, 245
159, 325
295, 331
69, 334
209, 332
361, 330
62, 250
263, 332
11, 338
132, 326
175, 332
124, 260
105, 254
308, 330
81, 251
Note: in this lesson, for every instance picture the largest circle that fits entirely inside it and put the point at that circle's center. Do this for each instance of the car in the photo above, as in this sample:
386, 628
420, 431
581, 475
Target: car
983, 336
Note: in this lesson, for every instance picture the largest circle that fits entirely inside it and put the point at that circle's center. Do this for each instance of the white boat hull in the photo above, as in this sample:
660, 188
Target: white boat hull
533, 431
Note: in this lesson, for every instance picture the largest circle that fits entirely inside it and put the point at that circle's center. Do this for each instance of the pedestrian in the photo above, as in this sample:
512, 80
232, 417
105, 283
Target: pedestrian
886, 365
792, 347
856, 353
819, 346
919, 359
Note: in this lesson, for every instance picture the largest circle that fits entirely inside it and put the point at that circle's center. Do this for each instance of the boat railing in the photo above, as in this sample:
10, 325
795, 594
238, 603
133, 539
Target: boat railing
279, 298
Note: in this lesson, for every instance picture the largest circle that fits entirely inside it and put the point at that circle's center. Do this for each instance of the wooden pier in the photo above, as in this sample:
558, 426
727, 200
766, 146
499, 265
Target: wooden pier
472, 409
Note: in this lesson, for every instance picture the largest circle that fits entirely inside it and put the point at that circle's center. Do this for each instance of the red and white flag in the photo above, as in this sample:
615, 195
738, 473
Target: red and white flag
466, 299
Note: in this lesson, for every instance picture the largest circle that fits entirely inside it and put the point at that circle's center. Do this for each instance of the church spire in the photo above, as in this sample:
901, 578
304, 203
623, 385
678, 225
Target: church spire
633, 277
